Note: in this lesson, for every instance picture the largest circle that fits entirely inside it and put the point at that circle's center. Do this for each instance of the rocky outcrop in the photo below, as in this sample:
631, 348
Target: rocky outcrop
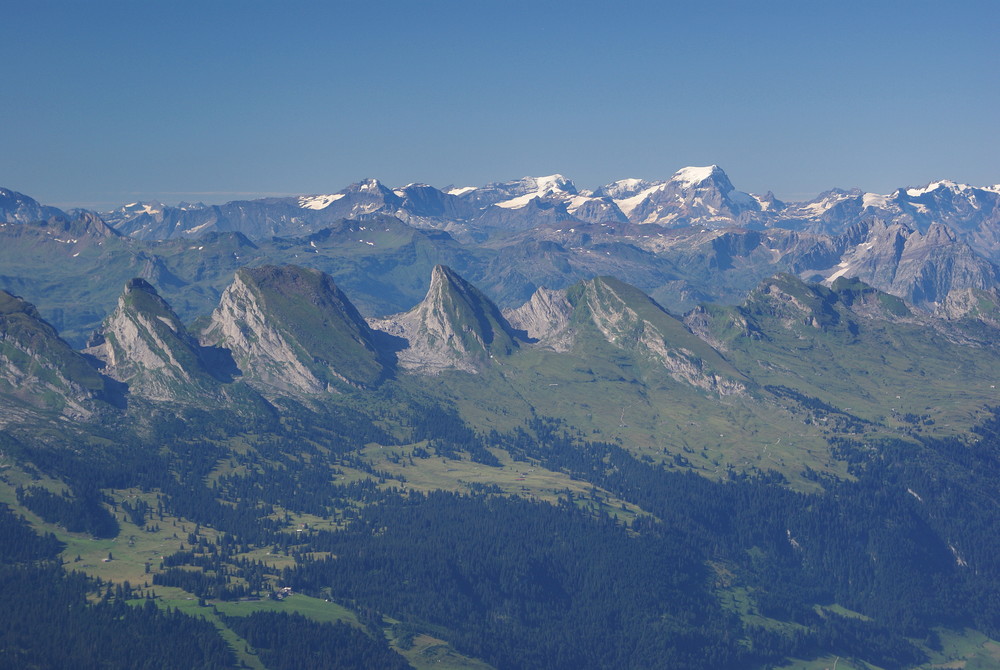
922, 268
546, 318
630, 320
144, 344
971, 304
455, 327
291, 330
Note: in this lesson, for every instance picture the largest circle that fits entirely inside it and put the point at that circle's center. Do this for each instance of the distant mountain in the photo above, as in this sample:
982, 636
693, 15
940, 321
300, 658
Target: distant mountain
686, 240
921, 267
18, 208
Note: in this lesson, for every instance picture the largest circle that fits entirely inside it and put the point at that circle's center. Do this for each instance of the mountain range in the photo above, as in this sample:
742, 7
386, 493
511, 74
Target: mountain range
686, 240
663, 423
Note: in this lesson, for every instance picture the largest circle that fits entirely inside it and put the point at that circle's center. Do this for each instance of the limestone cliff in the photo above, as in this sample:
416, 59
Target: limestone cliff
455, 327
632, 321
291, 330
144, 344
546, 319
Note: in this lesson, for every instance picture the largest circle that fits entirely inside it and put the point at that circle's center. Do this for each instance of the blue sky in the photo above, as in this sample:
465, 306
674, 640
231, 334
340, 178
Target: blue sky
111, 102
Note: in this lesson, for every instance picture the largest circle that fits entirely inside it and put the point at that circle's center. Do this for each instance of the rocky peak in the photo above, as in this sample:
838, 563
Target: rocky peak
291, 329
18, 208
455, 326
921, 268
630, 320
692, 195
144, 344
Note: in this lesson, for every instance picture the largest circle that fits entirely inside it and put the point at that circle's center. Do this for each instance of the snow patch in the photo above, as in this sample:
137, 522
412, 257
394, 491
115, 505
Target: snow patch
518, 202
875, 200
318, 201
200, 227
959, 561
138, 208
460, 191
627, 205
576, 202
845, 267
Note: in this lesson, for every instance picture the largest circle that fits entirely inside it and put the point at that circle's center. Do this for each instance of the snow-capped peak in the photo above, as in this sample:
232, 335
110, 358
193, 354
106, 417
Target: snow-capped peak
689, 176
553, 182
933, 186
875, 200
539, 187
143, 208
625, 188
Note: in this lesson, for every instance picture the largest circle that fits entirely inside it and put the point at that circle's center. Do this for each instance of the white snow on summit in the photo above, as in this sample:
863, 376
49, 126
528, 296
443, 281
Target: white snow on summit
875, 200
518, 202
944, 183
554, 182
318, 201
689, 176
142, 208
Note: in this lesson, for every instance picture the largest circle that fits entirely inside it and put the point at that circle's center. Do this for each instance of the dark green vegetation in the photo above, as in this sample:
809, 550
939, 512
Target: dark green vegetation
868, 570
48, 623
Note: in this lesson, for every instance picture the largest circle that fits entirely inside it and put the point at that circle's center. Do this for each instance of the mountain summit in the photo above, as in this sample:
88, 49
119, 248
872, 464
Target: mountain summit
455, 326
291, 329
144, 344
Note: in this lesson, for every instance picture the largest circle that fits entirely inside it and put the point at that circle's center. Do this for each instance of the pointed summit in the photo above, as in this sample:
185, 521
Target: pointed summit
290, 328
700, 195
454, 327
144, 344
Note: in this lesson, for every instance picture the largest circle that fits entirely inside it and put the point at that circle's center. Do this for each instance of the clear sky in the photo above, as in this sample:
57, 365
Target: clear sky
105, 102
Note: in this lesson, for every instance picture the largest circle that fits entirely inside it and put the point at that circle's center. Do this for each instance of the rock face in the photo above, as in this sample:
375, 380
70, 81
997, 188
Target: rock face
291, 330
454, 327
628, 319
144, 344
38, 368
919, 267
546, 318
